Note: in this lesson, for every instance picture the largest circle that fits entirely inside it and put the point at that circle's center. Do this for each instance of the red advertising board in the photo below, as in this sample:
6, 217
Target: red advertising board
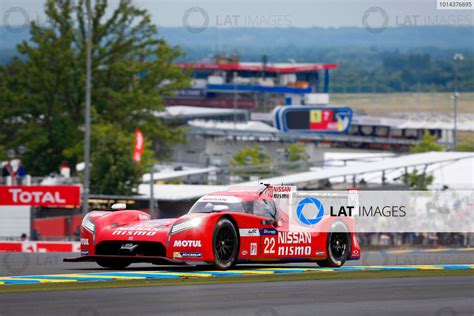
66, 195
39, 246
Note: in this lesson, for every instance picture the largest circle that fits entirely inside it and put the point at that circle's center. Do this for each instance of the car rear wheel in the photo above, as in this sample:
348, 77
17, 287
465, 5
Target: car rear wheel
338, 249
113, 264
225, 244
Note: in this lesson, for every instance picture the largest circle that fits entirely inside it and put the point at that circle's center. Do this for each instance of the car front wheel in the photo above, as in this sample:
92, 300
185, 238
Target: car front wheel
225, 244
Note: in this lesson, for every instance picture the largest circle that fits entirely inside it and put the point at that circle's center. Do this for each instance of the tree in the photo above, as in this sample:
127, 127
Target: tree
113, 169
251, 160
427, 143
2, 153
417, 181
296, 152
43, 91
414, 179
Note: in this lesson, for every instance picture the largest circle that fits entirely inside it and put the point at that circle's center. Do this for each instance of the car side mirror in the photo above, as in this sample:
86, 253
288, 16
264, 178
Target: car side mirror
119, 206
220, 208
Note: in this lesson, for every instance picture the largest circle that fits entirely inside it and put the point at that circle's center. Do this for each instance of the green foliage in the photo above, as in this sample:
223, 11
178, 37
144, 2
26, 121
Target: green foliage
414, 179
42, 93
417, 181
296, 152
465, 146
250, 156
2, 153
366, 69
427, 143
403, 59
251, 161
113, 169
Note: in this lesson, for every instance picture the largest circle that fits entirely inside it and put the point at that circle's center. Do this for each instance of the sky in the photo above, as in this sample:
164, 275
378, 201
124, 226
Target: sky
276, 13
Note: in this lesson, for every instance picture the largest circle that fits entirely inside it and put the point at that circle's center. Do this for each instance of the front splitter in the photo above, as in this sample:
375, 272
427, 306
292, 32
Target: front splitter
132, 259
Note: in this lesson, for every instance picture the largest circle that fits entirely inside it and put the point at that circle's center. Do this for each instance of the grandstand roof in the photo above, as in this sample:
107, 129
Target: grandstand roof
190, 112
418, 121
239, 126
386, 164
189, 192
167, 175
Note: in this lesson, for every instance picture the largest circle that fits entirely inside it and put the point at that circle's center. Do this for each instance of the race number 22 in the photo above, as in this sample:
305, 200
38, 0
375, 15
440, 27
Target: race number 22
269, 245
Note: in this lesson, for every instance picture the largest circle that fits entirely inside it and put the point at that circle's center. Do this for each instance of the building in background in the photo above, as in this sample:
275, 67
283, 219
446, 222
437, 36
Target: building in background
230, 83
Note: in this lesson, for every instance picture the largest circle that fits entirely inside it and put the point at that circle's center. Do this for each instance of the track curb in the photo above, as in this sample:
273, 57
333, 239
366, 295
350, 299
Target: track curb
176, 274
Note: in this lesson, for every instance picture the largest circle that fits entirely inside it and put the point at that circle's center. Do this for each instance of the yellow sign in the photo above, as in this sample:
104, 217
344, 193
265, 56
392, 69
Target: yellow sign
315, 116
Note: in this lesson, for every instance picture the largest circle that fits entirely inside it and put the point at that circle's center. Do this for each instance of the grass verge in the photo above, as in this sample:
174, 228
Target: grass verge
381, 103
313, 275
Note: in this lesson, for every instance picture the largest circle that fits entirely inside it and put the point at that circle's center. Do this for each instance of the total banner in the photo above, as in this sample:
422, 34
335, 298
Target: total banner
363, 211
65, 195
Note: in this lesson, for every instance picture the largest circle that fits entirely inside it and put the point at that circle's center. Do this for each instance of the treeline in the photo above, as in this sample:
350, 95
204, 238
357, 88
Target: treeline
399, 59
402, 72
402, 59
368, 70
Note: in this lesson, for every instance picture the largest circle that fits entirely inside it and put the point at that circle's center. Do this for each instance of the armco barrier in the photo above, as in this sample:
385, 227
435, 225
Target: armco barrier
39, 246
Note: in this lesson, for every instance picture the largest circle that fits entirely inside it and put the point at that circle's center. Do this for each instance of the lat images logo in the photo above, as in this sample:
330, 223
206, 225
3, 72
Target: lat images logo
305, 207
375, 20
195, 20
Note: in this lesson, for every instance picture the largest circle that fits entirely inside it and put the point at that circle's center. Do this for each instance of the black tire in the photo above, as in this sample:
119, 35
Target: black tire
225, 244
113, 264
338, 248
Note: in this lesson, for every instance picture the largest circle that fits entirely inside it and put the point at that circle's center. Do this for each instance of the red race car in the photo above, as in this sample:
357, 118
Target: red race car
222, 229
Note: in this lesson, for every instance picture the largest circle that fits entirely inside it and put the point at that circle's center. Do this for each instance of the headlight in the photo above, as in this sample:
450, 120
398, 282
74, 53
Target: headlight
187, 224
88, 224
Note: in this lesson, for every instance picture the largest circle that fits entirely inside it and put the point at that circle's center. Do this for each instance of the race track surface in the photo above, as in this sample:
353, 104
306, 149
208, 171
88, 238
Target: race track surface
51, 263
403, 296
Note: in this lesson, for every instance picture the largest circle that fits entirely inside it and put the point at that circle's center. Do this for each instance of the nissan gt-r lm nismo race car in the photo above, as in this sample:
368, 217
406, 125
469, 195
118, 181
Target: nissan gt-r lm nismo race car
222, 229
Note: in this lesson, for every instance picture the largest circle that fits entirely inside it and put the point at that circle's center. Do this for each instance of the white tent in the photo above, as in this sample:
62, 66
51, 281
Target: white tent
167, 175
392, 164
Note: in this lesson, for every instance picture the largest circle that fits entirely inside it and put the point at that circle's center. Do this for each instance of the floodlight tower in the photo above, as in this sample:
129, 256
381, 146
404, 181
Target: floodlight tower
457, 59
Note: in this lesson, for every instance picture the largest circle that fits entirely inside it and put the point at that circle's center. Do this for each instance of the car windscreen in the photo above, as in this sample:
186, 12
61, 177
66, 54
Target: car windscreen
208, 207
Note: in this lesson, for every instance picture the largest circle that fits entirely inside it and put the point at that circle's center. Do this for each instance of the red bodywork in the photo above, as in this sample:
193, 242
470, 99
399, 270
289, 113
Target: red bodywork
261, 239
